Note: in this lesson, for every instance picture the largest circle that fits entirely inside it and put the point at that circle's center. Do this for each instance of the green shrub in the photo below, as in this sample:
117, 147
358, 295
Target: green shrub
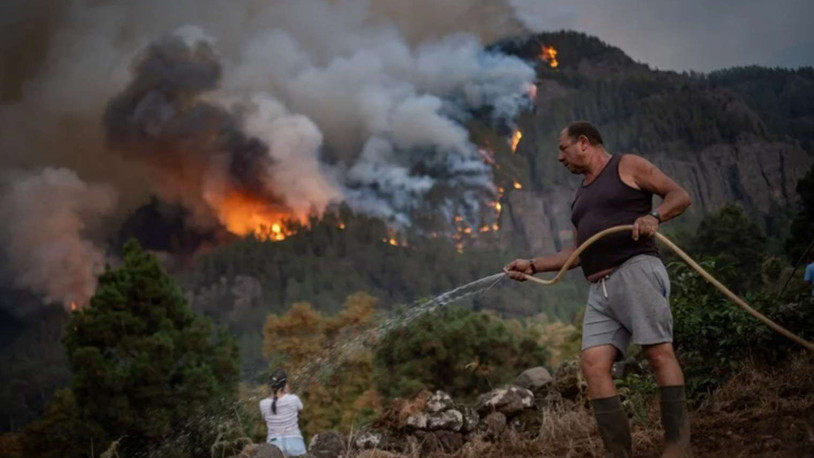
460, 351
713, 336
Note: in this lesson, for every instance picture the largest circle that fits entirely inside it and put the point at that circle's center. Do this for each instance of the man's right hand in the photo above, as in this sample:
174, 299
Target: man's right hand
517, 268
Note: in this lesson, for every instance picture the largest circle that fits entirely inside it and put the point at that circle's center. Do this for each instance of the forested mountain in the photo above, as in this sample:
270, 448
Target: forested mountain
739, 135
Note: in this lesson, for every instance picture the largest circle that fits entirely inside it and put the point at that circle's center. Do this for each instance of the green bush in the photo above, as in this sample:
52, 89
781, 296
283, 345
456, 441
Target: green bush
713, 336
460, 351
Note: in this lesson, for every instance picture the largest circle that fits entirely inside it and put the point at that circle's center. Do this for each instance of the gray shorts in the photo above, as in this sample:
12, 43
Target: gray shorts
633, 301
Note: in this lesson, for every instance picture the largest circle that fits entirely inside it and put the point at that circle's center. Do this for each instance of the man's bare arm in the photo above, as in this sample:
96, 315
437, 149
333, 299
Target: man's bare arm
639, 173
551, 263
644, 175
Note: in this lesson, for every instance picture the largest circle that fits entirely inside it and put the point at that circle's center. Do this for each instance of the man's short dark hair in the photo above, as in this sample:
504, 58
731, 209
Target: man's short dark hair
578, 128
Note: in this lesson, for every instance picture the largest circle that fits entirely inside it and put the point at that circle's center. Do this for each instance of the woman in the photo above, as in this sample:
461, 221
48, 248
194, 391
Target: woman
281, 413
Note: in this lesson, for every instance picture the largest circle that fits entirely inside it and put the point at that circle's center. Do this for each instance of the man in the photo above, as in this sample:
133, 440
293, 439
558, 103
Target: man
629, 293
808, 277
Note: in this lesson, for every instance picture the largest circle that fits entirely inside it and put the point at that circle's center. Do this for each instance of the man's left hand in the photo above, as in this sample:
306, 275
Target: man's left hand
646, 225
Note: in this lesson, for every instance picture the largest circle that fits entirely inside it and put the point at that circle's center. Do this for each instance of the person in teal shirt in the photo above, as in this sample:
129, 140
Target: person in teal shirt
809, 275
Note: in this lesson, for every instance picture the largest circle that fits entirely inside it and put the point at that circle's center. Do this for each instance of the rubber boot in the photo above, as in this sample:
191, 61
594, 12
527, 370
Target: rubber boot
614, 427
676, 422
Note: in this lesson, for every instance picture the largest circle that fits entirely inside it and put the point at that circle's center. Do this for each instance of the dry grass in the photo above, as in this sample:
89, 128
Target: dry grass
758, 413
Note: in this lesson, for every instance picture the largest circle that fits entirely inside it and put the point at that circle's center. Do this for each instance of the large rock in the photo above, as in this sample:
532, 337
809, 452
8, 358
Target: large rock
471, 419
327, 444
417, 420
509, 400
370, 439
536, 379
450, 420
439, 402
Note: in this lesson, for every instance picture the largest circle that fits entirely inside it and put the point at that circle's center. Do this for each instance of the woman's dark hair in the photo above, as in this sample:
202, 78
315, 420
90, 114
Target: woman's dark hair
277, 381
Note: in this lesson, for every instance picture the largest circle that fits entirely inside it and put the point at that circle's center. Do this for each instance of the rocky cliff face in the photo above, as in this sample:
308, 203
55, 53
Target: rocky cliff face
760, 176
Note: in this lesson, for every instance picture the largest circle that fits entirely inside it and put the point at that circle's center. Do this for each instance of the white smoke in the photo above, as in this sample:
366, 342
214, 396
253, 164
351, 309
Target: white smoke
329, 101
302, 182
45, 233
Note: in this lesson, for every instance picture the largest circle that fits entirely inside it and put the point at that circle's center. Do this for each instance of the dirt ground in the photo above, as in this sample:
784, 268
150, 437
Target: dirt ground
758, 413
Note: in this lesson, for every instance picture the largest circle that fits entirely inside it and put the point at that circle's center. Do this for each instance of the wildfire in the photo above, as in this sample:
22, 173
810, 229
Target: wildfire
549, 54
243, 214
516, 136
517, 185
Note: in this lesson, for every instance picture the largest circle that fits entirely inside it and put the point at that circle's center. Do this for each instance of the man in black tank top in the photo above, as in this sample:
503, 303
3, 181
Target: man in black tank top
629, 295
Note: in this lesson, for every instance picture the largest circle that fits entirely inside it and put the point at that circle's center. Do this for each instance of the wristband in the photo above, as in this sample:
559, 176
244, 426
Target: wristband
531, 264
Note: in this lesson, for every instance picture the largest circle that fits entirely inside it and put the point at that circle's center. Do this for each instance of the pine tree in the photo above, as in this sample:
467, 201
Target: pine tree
145, 367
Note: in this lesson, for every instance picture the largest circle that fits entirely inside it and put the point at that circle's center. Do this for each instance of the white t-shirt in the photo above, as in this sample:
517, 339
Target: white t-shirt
285, 421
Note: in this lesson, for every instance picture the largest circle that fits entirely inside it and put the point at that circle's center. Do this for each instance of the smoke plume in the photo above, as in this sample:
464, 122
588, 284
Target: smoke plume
258, 112
45, 237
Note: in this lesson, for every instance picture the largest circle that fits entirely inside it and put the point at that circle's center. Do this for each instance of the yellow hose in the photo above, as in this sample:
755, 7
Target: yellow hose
729, 294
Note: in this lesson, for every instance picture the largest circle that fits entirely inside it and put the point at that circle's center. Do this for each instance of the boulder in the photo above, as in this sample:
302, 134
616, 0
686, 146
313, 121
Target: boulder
471, 419
327, 444
439, 402
370, 439
536, 379
450, 420
417, 420
509, 400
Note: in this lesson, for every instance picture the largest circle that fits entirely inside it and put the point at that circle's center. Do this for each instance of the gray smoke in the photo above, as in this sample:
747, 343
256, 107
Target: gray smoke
46, 233
298, 104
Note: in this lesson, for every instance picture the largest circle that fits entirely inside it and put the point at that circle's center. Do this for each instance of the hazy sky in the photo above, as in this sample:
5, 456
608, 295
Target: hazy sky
697, 35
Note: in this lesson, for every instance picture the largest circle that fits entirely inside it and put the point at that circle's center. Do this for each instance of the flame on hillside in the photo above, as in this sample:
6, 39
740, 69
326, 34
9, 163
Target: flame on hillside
243, 214
515, 140
549, 55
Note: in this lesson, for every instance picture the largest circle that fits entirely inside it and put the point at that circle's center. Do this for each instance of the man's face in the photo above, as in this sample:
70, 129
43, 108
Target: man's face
571, 154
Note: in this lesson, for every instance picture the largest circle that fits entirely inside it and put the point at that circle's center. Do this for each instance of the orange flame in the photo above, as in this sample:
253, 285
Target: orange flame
73, 306
517, 185
549, 55
516, 136
243, 214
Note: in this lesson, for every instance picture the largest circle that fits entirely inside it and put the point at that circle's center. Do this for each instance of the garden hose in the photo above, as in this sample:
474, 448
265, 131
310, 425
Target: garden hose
723, 289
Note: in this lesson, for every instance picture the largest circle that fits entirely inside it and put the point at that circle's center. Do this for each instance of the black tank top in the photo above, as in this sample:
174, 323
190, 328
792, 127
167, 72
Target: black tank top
606, 202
